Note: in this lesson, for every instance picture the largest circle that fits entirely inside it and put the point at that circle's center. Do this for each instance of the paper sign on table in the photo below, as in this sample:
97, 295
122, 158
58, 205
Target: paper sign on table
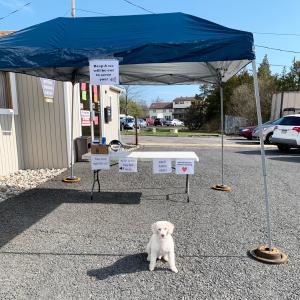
162, 166
128, 165
184, 166
100, 162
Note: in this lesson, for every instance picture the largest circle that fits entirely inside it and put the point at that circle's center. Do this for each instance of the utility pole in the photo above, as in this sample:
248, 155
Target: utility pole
73, 8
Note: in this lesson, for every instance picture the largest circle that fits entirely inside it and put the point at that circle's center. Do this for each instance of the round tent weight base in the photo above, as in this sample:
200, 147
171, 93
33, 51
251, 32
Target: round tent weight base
221, 187
263, 254
73, 179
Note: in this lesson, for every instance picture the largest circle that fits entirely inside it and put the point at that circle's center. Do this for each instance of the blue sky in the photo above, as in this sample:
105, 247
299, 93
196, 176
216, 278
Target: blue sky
264, 16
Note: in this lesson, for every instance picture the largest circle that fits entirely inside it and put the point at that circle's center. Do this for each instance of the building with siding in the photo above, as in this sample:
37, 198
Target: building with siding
35, 133
163, 110
181, 105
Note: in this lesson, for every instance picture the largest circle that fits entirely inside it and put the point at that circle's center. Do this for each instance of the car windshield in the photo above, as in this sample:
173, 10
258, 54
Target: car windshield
290, 121
277, 121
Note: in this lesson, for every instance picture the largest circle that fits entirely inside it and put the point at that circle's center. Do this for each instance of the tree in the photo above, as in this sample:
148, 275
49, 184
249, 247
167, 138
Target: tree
132, 108
196, 114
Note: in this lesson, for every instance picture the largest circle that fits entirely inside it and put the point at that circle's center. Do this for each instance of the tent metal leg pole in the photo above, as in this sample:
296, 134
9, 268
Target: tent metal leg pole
91, 111
222, 187
222, 130
265, 253
262, 151
72, 178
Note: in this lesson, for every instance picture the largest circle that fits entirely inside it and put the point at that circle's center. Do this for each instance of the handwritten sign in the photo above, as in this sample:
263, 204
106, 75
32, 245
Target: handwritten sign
100, 162
184, 166
85, 118
48, 89
162, 166
127, 165
104, 71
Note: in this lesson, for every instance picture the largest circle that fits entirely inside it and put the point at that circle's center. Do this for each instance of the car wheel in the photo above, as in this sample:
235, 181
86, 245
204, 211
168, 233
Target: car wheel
268, 138
283, 148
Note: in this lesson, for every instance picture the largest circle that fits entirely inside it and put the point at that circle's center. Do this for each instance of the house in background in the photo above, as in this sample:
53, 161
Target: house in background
181, 105
163, 110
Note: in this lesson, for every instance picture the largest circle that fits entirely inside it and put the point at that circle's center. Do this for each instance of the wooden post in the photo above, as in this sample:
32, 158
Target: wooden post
136, 131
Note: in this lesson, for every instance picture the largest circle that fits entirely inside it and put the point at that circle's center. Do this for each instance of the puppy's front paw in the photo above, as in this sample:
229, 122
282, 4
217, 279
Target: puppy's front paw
151, 268
174, 269
148, 258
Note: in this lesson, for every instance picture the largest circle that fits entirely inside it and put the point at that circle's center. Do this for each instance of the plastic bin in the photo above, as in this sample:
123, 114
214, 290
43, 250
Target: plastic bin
83, 145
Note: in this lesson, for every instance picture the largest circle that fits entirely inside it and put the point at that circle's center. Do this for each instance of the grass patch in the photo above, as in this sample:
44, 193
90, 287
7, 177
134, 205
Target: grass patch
167, 132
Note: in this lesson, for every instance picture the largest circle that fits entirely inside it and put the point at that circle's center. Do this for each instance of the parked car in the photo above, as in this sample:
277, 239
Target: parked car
142, 123
268, 129
246, 132
174, 122
287, 133
159, 122
150, 121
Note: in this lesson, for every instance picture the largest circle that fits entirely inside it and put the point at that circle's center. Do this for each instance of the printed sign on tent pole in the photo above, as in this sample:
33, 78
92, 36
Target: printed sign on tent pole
184, 166
48, 89
162, 166
104, 72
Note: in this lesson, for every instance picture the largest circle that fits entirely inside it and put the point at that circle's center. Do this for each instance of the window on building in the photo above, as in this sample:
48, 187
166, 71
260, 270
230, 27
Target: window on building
5, 94
153, 110
181, 102
164, 110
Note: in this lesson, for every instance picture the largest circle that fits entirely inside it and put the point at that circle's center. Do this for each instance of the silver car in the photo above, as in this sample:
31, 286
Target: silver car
268, 129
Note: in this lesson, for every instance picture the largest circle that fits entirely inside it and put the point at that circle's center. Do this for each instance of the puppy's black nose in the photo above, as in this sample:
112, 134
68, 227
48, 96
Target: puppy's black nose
162, 235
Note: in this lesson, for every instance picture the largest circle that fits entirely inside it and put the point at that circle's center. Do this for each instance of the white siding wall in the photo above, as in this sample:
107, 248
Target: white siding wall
11, 156
43, 125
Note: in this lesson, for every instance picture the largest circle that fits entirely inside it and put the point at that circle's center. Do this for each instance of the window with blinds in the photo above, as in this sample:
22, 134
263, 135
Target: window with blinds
5, 93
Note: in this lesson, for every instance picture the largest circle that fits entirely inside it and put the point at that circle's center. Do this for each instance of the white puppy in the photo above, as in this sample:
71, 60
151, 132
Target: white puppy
161, 245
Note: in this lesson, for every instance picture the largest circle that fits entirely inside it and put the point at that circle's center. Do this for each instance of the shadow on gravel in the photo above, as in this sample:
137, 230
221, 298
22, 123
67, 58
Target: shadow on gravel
274, 152
20, 212
125, 265
292, 159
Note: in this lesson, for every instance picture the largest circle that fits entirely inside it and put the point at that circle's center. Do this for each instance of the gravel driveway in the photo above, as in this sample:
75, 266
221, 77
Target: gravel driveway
55, 243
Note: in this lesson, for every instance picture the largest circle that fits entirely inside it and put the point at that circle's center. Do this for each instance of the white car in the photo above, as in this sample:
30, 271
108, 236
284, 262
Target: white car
287, 133
268, 129
174, 122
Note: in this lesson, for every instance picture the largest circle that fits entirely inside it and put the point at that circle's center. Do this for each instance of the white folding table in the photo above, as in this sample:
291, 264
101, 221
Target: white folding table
147, 156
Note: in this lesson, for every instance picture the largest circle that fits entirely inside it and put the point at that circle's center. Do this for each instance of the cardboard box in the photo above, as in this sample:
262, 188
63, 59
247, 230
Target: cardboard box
99, 149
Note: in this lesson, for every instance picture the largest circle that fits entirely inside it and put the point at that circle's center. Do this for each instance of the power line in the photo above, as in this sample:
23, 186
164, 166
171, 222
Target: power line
278, 49
276, 33
93, 12
13, 12
136, 5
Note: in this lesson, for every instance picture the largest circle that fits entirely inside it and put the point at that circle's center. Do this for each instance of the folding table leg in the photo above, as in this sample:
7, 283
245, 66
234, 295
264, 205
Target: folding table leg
98, 181
187, 187
94, 180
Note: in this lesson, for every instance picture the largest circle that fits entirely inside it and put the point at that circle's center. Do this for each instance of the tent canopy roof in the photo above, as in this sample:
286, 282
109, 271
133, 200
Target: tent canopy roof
172, 48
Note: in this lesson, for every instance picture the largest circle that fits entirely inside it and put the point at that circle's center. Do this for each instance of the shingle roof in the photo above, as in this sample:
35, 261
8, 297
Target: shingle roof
161, 105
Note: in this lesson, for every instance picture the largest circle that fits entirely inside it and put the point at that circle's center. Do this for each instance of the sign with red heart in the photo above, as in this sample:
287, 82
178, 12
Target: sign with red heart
184, 166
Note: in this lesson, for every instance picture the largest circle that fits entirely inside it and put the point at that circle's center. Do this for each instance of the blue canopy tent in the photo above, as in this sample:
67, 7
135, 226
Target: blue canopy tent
172, 48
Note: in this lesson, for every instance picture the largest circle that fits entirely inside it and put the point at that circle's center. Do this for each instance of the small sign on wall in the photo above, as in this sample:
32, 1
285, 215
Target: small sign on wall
85, 118
48, 86
162, 166
184, 166
104, 72
127, 165
100, 162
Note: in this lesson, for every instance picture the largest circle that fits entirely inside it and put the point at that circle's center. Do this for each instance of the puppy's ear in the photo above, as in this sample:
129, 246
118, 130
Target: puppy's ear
170, 228
154, 228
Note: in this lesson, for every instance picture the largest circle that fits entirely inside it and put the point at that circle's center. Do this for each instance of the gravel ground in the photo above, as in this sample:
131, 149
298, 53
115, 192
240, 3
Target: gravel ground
22, 180
56, 243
